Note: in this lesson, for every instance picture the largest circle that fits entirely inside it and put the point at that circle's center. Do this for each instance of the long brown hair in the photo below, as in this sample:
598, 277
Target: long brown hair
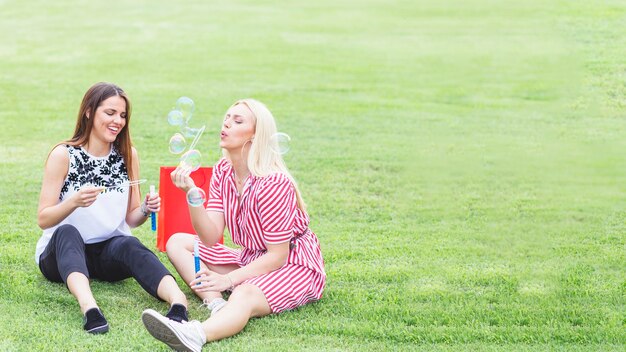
98, 93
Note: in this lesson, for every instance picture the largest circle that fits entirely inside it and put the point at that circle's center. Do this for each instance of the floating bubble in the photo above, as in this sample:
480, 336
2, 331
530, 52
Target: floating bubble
191, 159
197, 137
190, 132
175, 118
185, 106
196, 197
177, 143
280, 143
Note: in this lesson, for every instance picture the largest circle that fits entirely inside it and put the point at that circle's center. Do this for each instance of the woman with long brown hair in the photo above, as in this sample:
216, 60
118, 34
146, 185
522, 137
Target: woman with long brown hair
88, 204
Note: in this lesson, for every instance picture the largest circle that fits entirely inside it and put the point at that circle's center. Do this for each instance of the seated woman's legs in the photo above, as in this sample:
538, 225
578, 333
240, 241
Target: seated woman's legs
247, 301
78, 284
180, 252
125, 256
64, 260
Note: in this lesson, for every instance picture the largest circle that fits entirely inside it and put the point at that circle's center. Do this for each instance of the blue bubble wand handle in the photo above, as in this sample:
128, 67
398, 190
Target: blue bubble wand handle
153, 215
196, 258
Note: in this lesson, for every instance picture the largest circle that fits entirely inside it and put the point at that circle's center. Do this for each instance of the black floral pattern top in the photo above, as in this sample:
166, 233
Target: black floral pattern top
106, 216
88, 170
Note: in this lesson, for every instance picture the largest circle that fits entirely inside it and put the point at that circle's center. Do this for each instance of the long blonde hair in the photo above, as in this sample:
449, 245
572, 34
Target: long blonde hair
262, 160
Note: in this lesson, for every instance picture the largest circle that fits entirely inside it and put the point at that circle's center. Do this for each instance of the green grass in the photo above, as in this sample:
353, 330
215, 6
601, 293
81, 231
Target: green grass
463, 161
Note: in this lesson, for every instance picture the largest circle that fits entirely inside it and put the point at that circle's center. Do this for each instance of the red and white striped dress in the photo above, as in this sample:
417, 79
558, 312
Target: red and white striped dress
267, 213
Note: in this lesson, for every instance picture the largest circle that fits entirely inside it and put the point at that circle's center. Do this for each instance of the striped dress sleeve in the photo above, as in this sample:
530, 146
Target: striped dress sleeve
215, 188
277, 209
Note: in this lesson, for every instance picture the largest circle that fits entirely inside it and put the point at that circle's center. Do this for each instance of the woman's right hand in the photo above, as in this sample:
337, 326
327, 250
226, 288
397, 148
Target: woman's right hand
86, 196
181, 179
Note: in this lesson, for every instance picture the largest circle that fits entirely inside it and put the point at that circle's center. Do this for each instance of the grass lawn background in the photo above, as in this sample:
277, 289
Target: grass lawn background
463, 161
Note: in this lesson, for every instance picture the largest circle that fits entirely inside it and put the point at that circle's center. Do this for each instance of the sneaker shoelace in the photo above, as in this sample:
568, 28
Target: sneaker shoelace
214, 305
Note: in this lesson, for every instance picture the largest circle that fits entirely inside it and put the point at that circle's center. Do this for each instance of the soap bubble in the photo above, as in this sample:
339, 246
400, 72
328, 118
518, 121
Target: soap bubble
177, 143
185, 106
191, 159
175, 118
196, 197
190, 132
280, 143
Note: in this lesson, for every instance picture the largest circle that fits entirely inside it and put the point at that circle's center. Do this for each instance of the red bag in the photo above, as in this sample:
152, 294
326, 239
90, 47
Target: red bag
174, 214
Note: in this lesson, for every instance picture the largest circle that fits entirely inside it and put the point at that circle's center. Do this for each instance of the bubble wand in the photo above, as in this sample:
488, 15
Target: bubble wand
152, 214
127, 184
197, 138
196, 258
191, 158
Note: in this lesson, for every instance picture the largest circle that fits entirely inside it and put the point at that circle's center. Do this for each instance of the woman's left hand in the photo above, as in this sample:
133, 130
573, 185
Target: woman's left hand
210, 281
153, 202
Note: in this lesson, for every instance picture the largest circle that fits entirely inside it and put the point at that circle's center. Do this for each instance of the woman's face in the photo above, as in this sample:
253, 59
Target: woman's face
109, 120
238, 128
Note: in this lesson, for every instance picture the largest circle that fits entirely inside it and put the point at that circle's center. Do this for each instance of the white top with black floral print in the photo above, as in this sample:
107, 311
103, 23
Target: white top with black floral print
106, 217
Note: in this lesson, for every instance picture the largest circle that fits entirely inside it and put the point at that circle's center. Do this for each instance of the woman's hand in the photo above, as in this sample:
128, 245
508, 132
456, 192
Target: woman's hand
86, 196
181, 179
152, 202
211, 281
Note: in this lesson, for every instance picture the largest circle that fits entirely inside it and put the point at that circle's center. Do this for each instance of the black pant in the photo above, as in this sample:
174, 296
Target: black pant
115, 259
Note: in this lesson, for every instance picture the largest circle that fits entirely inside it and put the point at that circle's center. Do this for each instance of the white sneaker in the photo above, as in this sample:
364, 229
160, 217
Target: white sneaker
215, 305
187, 336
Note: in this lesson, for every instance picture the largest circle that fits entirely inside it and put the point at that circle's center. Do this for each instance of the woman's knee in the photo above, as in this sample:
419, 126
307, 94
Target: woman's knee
251, 296
179, 241
125, 246
66, 234
129, 242
245, 290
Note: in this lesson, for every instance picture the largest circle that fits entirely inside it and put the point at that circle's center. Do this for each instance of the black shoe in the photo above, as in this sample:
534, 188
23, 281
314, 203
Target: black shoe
94, 322
177, 313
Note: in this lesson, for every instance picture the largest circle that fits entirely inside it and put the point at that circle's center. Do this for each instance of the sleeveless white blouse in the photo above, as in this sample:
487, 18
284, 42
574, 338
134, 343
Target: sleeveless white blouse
106, 217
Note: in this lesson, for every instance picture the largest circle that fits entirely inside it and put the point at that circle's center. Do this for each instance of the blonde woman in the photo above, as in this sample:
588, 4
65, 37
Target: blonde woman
279, 266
